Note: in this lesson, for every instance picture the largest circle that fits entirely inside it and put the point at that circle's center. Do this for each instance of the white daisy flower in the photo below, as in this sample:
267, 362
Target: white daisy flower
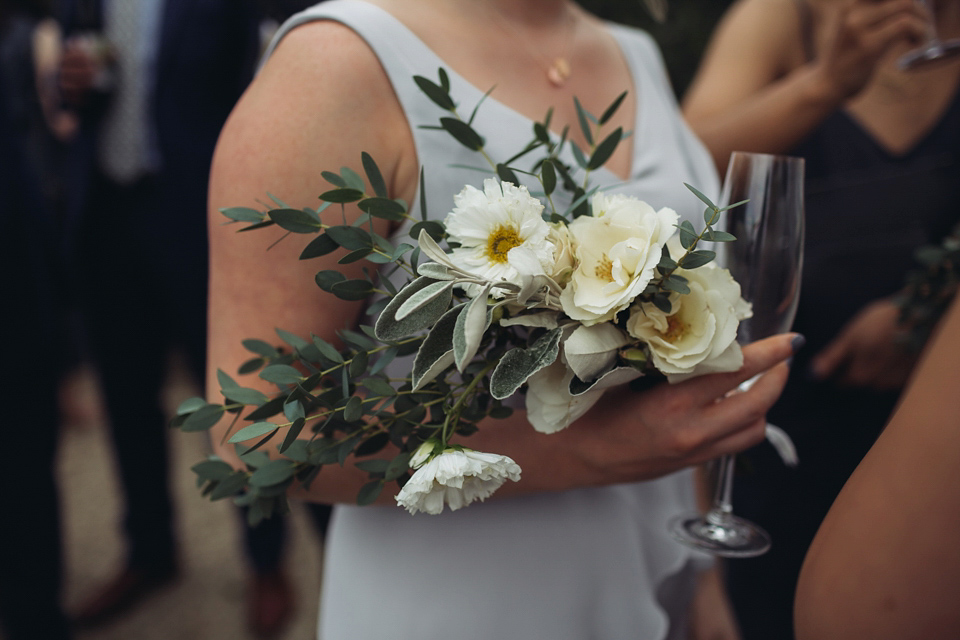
491, 224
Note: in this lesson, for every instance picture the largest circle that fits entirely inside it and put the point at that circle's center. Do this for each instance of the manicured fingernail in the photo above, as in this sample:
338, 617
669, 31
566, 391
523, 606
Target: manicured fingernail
797, 343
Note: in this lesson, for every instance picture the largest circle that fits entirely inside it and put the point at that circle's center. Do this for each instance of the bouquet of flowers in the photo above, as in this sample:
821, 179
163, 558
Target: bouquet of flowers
524, 300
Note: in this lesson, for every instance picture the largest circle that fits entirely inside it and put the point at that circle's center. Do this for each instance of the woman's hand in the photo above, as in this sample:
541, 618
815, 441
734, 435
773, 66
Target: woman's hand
858, 34
756, 89
867, 353
671, 427
78, 70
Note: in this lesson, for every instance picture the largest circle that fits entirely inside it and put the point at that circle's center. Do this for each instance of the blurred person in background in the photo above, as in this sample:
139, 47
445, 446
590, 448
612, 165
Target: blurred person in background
820, 79
152, 82
31, 558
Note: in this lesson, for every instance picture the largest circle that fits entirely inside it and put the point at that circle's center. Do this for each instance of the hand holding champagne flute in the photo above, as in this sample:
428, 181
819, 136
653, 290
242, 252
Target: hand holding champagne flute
766, 259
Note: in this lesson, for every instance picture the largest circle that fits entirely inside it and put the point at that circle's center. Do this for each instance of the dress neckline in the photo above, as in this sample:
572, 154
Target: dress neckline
916, 147
806, 40
616, 31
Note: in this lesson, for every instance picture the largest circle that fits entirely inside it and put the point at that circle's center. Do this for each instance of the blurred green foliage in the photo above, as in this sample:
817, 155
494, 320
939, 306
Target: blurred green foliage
682, 37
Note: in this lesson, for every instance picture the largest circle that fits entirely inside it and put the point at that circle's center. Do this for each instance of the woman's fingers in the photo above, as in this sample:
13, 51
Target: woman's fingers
750, 406
864, 15
757, 358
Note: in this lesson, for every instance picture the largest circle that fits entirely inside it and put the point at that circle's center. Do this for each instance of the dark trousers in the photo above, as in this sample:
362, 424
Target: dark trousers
31, 558
143, 277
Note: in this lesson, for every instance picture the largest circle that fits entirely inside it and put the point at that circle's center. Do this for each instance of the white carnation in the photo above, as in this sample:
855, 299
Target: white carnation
616, 250
699, 335
456, 478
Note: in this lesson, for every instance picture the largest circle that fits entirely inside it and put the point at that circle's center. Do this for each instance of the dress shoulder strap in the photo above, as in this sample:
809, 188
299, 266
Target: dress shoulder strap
401, 53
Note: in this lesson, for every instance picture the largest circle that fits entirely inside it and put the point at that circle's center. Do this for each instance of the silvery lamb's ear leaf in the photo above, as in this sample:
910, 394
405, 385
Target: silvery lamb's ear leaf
432, 250
423, 297
388, 328
436, 351
612, 378
519, 364
545, 320
467, 333
435, 271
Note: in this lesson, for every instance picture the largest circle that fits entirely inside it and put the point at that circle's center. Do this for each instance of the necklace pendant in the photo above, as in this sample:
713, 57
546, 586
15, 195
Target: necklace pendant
558, 72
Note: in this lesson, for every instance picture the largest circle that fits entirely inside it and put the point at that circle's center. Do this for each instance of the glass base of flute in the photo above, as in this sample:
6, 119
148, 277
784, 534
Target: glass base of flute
934, 49
933, 53
718, 531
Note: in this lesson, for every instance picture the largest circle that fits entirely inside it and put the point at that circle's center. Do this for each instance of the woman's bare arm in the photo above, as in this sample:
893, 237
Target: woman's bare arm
885, 562
755, 91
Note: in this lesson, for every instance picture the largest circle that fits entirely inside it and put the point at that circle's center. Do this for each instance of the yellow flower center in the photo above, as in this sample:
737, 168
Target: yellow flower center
604, 269
676, 329
500, 243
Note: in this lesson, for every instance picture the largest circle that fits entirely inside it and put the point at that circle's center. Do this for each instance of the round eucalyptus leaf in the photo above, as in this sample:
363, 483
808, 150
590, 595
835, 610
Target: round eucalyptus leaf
342, 195
295, 220
274, 472
252, 431
203, 418
350, 238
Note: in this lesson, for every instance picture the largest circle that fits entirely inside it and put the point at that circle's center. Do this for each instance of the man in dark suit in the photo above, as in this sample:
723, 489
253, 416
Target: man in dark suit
154, 81
30, 549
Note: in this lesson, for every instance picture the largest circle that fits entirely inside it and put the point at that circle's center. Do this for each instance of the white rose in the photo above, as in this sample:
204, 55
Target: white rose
617, 250
592, 351
563, 258
455, 478
700, 334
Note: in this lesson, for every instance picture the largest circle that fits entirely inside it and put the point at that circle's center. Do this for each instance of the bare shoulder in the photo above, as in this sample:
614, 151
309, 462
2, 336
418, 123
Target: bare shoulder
319, 102
756, 43
310, 109
769, 29
324, 55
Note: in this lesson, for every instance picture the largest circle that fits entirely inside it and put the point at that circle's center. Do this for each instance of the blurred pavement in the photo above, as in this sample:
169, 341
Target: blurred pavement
206, 603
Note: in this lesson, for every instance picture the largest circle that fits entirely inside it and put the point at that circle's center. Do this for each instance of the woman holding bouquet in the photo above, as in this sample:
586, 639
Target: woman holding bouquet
579, 547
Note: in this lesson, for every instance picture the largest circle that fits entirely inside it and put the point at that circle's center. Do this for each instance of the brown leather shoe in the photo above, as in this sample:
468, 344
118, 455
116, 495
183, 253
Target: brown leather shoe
269, 603
121, 594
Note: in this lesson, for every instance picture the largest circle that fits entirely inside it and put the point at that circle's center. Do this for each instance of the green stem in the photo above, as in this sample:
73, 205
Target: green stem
453, 415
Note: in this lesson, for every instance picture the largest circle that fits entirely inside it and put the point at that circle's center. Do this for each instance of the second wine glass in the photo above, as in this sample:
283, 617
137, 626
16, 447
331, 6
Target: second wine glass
934, 50
767, 260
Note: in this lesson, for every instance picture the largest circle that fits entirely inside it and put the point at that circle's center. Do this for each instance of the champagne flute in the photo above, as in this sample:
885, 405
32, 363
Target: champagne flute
934, 50
766, 259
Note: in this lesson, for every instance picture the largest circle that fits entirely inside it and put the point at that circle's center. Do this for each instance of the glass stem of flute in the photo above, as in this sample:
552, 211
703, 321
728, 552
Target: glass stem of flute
722, 508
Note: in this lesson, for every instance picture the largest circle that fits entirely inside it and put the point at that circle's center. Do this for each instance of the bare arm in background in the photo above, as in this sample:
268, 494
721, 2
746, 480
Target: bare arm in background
755, 90
885, 563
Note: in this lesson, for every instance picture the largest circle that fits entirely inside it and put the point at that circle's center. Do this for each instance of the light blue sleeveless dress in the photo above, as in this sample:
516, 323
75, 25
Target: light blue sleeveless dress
593, 563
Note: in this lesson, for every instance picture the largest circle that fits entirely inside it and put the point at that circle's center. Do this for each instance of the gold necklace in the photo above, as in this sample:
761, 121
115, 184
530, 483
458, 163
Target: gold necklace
557, 69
